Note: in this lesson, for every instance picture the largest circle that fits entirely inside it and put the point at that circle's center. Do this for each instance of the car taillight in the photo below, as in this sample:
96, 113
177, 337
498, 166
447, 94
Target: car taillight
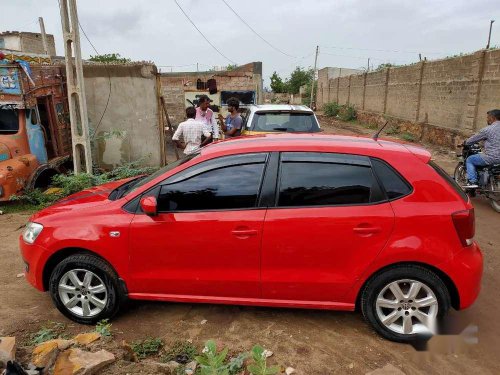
465, 226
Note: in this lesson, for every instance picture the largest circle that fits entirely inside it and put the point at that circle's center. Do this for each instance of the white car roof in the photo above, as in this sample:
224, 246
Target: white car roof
279, 107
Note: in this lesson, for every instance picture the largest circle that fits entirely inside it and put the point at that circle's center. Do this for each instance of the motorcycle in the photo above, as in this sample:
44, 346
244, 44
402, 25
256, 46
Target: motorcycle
488, 176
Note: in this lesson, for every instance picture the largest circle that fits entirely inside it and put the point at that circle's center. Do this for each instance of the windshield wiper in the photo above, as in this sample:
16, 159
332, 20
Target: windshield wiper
281, 129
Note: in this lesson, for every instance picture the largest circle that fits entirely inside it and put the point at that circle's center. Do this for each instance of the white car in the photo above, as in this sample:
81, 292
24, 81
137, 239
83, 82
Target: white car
275, 118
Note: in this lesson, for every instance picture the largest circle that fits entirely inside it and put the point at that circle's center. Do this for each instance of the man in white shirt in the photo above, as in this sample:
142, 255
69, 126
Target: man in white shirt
190, 131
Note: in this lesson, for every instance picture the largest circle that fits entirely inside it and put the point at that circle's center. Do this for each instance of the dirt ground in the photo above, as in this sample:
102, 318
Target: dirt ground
313, 342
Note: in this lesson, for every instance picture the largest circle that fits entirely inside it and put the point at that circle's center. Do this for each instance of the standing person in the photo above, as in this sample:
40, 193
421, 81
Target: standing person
190, 131
231, 126
491, 155
205, 115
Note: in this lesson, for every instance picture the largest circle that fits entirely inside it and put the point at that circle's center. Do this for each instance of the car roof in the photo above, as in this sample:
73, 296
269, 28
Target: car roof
313, 142
280, 107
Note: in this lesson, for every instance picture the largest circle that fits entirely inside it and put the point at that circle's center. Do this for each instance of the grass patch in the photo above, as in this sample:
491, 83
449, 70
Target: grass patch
147, 347
103, 327
408, 137
180, 349
393, 130
17, 207
50, 331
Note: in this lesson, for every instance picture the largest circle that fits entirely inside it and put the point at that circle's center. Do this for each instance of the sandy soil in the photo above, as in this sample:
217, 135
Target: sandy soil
313, 342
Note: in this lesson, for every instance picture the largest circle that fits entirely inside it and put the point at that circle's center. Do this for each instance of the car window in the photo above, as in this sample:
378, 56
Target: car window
284, 122
141, 182
233, 187
319, 184
394, 185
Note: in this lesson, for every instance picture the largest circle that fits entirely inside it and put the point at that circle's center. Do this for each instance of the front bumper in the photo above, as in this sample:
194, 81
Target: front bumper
34, 257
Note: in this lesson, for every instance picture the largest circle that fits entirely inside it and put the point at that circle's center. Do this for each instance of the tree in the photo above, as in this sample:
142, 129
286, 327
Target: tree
231, 67
109, 58
385, 66
277, 84
299, 77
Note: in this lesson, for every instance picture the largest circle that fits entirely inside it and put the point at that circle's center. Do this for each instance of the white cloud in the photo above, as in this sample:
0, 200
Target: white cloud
156, 29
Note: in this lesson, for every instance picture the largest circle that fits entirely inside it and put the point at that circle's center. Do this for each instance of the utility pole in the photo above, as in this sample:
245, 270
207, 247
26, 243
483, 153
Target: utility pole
368, 66
314, 77
80, 136
489, 35
44, 36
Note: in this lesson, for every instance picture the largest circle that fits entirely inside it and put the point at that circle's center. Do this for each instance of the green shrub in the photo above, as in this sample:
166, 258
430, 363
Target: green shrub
408, 137
70, 184
347, 113
259, 365
331, 109
103, 327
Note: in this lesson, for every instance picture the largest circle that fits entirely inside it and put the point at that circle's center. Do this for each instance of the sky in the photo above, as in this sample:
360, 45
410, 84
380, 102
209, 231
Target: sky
348, 32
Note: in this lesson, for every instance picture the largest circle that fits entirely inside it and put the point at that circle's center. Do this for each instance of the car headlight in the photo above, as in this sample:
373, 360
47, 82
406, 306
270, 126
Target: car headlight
31, 232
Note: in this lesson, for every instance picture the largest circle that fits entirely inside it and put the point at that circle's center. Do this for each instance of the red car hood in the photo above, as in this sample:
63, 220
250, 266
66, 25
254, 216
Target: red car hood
92, 197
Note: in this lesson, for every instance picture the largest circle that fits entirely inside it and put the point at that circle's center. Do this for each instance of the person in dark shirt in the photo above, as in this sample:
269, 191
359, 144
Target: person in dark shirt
231, 126
491, 155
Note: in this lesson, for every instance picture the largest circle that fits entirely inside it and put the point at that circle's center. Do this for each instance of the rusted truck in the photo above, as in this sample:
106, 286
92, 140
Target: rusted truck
35, 133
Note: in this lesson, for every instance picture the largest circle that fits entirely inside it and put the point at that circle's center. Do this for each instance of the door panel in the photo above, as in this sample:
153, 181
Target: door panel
315, 254
197, 253
326, 229
206, 240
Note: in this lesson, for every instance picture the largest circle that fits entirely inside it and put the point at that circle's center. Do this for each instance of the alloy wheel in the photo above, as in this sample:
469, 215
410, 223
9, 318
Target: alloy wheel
83, 293
407, 307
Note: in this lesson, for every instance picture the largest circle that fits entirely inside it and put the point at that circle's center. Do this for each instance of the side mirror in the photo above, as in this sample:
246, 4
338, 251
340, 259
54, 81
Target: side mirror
149, 206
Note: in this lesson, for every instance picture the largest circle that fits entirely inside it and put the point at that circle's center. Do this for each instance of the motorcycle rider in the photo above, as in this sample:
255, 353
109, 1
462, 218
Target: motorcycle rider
491, 155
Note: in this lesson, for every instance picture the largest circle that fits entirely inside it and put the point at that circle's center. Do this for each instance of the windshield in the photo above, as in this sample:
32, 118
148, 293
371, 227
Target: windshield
143, 181
284, 122
9, 122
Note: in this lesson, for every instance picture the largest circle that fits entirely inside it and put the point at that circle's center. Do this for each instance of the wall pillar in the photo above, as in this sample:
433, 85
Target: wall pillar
386, 88
475, 91
419, 93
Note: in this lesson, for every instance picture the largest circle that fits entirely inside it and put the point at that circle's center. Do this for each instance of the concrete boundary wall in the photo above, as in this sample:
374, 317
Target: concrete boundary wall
131, 128
449, 98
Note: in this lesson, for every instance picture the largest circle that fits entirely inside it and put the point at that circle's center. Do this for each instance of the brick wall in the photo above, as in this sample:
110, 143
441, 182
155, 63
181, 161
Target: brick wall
174, 85
450, 94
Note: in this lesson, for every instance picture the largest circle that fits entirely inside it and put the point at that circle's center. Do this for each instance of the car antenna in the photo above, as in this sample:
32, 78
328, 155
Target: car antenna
375, 136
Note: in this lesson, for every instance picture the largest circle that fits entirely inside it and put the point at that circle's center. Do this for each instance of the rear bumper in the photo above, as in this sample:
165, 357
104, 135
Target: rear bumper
466, 271
34, 257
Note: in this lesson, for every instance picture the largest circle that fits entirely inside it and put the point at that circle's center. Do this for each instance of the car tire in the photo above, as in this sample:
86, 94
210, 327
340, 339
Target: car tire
395, 301
85, 288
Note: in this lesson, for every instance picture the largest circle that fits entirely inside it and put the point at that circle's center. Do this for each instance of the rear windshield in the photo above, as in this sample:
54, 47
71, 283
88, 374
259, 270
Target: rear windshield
450, 180
9, 122
284, 122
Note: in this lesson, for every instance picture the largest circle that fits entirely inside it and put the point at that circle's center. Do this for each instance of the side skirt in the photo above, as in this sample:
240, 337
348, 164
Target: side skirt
244, 301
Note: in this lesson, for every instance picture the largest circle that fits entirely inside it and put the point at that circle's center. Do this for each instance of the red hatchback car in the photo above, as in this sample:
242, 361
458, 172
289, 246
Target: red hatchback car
306, 221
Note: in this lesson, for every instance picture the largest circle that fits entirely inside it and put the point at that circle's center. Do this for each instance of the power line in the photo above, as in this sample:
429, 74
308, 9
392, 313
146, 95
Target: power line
256, 33
204, 37
361, 57
109, 80
382, 50
107, 70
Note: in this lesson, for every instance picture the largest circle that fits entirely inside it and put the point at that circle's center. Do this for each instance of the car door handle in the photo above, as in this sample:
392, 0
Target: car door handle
367, 231
244, 233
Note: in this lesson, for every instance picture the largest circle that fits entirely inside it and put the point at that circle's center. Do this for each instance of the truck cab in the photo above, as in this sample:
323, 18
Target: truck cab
35, 139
